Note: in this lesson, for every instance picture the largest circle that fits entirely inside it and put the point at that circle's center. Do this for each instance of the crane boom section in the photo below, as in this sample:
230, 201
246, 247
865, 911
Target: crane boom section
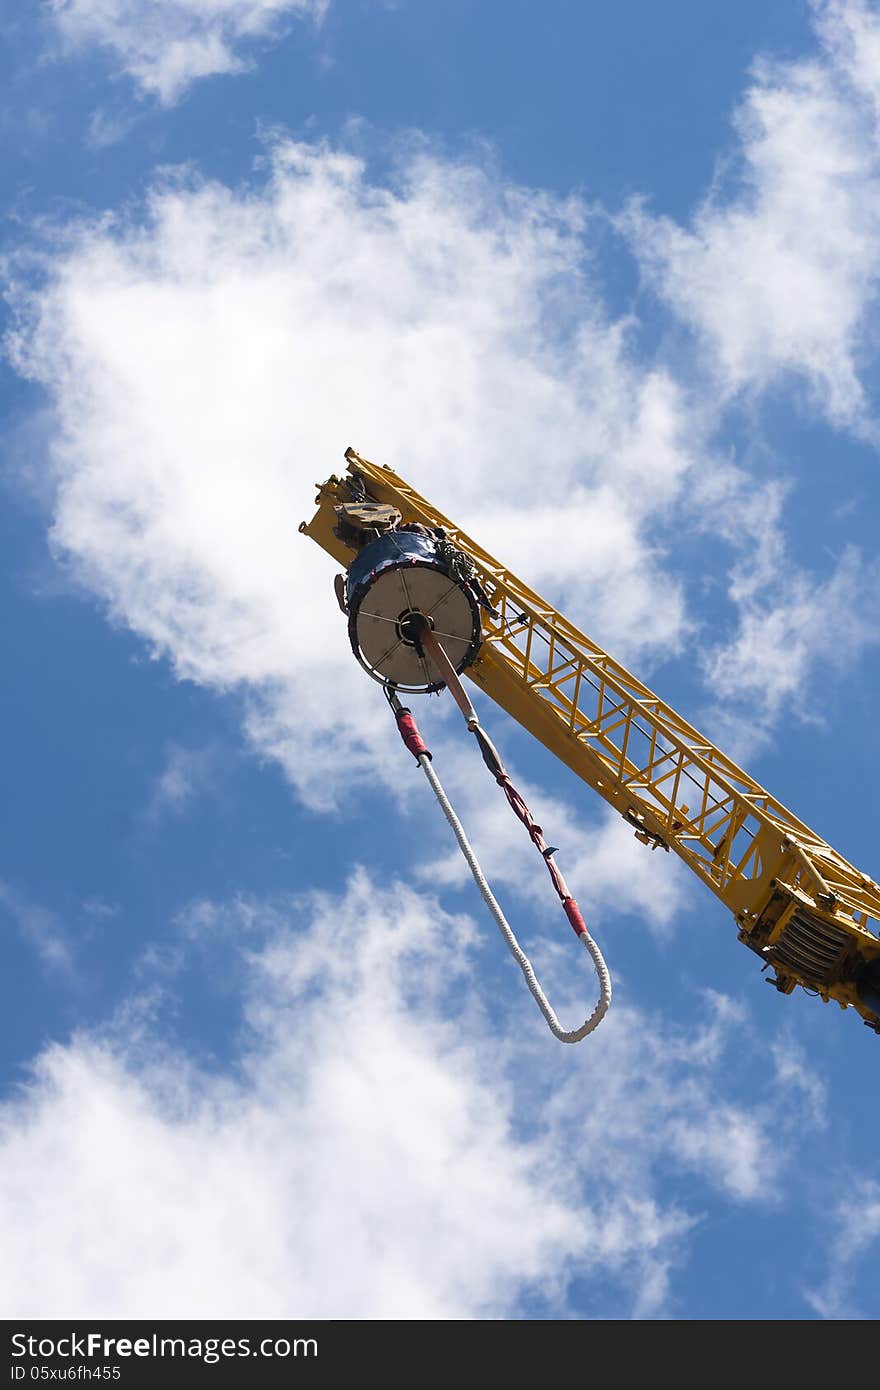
797, 902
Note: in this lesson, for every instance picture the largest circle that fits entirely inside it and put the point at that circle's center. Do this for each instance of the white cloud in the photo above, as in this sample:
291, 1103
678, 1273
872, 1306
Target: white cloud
99, 909
374, 1114
851, 32
786, 635
210, 365
795, 632
856, 1226
166, 45
185, 774
661, 1086
793, 1070
778, 272
107, 128
38, 926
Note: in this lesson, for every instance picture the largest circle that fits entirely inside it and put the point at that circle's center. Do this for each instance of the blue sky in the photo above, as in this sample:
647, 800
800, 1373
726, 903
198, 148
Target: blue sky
601, 282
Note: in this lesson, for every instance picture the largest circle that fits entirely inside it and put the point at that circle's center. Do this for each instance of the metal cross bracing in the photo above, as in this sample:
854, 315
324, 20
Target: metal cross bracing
798, 903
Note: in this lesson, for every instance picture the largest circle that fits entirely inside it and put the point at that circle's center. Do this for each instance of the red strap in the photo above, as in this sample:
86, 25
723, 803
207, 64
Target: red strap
409, 732
573, 913
536, 834
522, 810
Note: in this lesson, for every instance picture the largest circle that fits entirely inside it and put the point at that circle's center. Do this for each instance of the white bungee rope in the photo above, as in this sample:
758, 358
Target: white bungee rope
414, 742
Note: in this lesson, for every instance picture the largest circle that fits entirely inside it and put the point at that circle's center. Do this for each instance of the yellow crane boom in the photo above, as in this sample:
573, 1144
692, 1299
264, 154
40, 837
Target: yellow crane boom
797, 902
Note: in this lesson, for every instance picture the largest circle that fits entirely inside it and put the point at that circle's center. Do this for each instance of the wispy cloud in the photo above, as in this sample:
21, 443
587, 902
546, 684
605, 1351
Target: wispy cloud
38, 926
789, 631
856, 1226
106, 128
777, 275
778, 272
167, 45
99, 909
186, 774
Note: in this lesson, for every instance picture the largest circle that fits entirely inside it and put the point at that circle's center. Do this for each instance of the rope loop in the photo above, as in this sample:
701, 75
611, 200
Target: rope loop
413, 741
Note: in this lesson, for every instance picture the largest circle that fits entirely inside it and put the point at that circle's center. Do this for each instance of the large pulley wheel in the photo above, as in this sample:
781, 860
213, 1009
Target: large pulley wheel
396, 584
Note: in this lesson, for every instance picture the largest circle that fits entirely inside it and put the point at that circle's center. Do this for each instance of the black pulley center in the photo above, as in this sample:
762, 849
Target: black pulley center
410, 626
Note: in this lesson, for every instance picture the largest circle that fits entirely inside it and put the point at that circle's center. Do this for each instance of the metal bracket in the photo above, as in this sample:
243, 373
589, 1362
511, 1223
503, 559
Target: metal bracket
647, 837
